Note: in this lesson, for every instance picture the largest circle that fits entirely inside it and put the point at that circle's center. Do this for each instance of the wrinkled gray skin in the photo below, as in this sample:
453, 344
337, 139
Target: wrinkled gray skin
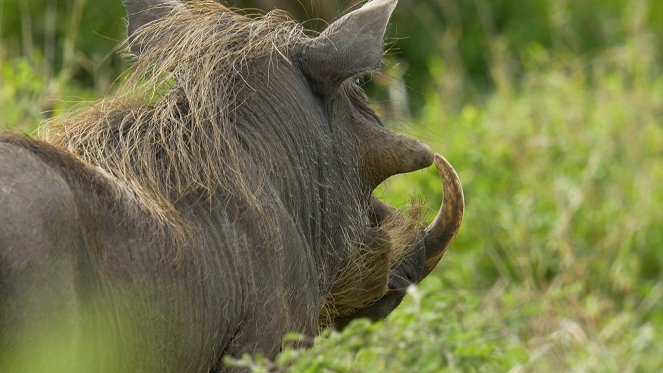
84, 285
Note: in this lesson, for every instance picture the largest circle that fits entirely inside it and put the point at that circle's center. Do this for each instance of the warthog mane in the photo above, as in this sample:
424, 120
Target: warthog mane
167, 132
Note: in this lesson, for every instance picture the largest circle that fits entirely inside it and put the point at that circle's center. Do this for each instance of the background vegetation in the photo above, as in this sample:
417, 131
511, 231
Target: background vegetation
551, 111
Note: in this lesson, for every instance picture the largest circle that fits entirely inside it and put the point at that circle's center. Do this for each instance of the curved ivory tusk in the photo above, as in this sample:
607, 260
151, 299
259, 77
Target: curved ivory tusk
442, 231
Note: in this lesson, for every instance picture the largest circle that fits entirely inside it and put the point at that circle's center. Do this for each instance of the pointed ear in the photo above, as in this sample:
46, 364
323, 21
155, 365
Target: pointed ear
142, 12
351, 45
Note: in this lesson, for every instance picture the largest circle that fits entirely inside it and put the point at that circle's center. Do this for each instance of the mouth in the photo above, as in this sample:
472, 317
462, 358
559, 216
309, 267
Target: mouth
414, 251
421, 248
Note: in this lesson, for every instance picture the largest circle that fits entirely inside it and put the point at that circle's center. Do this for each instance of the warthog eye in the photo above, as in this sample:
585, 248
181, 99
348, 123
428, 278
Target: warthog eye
356, 84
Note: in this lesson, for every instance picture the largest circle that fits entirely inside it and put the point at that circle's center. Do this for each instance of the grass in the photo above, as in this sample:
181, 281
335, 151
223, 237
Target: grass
558, 266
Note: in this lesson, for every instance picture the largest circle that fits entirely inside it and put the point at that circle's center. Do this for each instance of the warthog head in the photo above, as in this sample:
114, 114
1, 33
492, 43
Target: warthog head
222, 107
350, 46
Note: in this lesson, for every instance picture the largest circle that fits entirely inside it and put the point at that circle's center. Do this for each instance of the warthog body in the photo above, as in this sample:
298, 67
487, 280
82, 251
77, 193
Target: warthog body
220, 199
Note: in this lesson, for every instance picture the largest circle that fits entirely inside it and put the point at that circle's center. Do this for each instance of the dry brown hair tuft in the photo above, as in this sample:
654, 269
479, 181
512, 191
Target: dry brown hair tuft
364, 280
167, 144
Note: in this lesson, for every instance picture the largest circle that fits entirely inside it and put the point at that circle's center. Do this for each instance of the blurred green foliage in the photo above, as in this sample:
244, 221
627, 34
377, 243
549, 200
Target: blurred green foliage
551, 111
467, 37
74, 35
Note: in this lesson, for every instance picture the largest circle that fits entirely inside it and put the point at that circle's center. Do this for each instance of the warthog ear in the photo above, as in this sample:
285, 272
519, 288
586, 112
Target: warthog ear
351, 45
142, 12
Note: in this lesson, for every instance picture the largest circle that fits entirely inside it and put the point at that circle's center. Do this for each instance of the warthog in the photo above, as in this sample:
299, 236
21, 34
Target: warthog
221, 198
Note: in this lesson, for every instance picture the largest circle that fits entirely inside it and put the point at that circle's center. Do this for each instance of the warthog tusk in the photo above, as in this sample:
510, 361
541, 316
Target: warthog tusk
442, 231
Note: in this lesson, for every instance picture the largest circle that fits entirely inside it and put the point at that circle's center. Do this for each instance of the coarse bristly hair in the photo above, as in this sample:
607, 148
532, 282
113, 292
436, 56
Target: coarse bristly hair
363, 280
166, 134
168, 141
